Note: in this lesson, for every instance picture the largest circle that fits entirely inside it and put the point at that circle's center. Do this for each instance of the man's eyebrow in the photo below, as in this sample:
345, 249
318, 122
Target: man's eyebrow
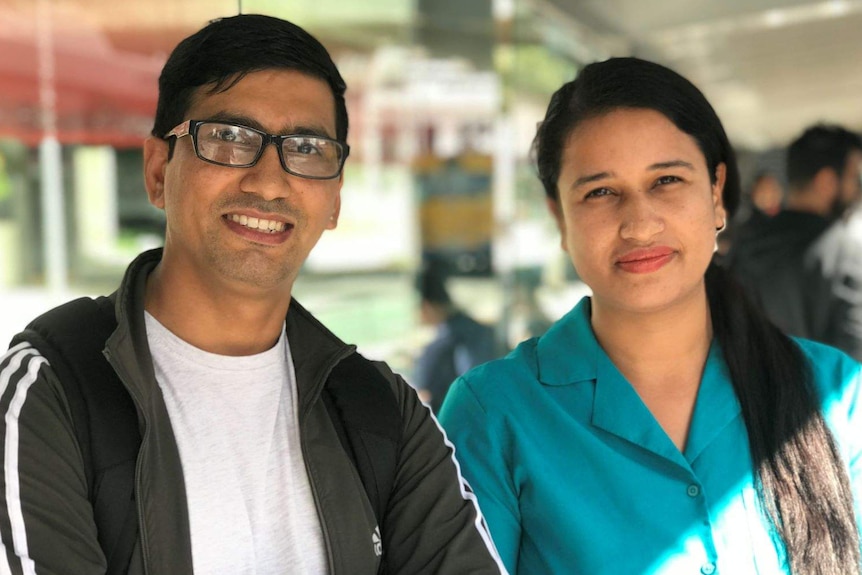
252, 123
310, 131
672, 164
591, 178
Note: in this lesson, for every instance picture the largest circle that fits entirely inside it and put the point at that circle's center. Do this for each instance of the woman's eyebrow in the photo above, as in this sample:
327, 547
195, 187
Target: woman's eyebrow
590, 178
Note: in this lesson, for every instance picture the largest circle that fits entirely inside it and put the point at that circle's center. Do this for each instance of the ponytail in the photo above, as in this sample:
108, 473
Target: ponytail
800, 477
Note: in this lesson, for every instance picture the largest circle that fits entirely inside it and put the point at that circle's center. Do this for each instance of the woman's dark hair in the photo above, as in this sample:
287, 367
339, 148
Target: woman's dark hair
227, 49
801, 479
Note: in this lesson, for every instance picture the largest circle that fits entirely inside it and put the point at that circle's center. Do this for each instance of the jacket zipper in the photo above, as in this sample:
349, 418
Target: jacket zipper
142, 532
302, 445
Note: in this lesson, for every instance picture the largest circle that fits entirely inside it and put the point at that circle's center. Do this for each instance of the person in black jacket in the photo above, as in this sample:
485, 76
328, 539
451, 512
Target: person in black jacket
460, 342
241, 468
804, 265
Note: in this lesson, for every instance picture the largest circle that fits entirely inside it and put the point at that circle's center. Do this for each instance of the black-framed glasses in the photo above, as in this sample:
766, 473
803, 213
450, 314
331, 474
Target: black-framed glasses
237, 146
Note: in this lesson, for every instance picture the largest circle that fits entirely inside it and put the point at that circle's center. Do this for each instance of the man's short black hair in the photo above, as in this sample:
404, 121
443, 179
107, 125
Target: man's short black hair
226, 49
820, 146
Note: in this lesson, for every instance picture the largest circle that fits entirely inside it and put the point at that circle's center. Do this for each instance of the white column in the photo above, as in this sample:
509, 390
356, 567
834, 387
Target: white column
50, 158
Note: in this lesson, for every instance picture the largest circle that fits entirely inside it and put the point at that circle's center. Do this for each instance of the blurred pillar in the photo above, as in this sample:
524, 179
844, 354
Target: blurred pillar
505, 159
95, 201
50, 158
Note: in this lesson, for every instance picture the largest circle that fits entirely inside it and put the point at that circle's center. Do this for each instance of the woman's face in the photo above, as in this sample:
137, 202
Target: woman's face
637, 210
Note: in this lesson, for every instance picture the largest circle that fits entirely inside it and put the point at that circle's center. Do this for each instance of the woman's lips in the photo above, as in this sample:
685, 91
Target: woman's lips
644, 261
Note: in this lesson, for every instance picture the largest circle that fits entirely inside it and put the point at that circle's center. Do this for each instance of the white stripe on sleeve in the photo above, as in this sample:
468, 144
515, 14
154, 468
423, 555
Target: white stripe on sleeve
468, 495
17, 355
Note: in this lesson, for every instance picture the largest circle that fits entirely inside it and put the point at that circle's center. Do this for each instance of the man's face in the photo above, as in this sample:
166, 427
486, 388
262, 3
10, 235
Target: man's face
216, 215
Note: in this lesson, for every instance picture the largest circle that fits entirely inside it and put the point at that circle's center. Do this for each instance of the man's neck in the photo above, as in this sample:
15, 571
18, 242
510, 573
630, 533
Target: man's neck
226, 320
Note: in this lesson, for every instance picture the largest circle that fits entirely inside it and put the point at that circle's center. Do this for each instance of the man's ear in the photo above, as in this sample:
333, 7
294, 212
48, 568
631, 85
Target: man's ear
336, 208
557, 211
155, 164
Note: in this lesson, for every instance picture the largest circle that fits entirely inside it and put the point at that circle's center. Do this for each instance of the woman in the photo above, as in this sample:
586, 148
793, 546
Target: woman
662, 425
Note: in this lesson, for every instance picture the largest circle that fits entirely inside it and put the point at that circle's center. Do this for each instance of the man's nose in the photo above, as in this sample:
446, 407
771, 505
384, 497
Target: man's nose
267, 178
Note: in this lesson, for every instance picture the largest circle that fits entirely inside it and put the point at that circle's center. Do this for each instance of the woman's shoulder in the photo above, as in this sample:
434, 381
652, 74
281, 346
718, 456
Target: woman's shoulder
836, 375
518, 365
826, 356
492, 387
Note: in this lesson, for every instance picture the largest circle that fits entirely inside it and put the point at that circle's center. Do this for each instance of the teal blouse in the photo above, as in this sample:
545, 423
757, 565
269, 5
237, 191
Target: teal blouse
574, 475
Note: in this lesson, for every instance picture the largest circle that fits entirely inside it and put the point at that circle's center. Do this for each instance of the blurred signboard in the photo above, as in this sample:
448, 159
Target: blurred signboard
456, 211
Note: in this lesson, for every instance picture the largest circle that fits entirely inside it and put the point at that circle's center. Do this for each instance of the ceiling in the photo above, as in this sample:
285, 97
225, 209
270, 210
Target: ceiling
769, 67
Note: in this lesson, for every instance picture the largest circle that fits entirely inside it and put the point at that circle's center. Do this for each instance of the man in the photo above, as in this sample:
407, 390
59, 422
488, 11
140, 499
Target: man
460, 343
804, 265
240, 467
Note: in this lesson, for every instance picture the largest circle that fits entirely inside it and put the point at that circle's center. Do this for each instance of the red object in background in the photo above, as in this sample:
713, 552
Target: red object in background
103, 96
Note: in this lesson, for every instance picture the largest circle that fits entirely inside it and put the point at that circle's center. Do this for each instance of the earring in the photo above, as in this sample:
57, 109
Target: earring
718, 230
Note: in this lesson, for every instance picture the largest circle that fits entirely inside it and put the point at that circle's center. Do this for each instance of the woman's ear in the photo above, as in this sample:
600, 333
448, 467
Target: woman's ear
718, 195
155, 163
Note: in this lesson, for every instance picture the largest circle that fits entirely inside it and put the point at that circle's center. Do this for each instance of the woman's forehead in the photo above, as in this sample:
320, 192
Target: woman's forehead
637, 135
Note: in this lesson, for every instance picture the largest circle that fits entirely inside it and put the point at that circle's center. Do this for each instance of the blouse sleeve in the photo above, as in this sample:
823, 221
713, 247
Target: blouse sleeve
482, 447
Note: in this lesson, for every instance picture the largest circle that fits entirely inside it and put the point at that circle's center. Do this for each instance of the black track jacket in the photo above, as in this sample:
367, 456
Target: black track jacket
432, 523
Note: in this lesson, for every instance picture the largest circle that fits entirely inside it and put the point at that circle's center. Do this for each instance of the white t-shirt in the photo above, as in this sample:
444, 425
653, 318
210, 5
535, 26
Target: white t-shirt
251, 509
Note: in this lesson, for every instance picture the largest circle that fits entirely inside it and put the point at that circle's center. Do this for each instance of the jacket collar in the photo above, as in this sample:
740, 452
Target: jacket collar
315, 349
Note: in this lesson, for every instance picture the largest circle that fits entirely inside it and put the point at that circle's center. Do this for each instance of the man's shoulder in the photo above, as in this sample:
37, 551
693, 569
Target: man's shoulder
839, 248
64, 325
780, 242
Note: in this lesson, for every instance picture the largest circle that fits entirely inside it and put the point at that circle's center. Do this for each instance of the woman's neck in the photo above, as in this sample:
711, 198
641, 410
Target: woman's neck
653, 337
662, 354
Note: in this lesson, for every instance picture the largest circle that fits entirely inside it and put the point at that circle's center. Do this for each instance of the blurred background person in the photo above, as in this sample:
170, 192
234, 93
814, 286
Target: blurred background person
528, 318
766, 195
804, 265
460, 342
764, 200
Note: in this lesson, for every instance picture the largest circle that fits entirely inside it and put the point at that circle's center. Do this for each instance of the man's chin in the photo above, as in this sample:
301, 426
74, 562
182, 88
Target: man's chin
255, 271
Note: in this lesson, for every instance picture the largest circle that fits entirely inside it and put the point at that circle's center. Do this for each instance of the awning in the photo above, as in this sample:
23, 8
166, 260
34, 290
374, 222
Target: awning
103, 96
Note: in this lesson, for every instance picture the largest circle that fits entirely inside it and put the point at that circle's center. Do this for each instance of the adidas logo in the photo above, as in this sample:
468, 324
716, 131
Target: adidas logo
377, 541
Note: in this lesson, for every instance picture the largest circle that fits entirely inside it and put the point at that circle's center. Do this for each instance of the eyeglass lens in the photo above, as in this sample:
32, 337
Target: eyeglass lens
233, 145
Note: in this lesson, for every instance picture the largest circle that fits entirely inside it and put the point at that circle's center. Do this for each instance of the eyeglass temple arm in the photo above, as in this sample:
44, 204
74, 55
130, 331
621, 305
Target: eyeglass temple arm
180, 131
